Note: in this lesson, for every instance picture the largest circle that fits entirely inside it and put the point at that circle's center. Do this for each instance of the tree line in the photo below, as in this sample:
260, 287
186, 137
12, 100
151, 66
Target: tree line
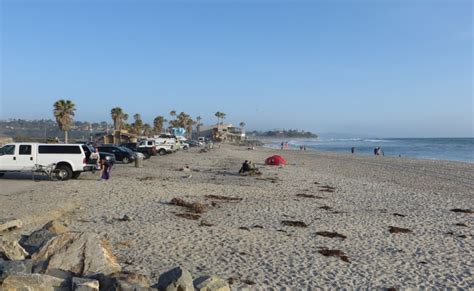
64, 111
292, 133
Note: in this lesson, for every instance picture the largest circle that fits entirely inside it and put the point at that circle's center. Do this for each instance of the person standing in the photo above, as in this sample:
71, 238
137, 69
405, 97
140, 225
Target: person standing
106, 169
95, 159
353, 150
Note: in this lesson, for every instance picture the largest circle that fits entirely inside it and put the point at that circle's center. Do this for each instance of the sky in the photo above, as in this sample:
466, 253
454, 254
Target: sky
389, 68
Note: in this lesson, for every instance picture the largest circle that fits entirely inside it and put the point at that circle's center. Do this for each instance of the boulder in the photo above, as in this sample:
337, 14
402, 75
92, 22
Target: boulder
76, 253
8, 268
176, 279
9, 224
84, 284
37, 238
11, 250
130, 281
211, 283
34, 282
55, 227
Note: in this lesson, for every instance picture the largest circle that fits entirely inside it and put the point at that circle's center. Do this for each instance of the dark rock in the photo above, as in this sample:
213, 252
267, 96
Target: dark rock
177, 279
8, 268
37, 238
84, 284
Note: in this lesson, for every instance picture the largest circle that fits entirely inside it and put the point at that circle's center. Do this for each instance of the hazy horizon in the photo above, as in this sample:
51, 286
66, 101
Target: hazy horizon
392, 69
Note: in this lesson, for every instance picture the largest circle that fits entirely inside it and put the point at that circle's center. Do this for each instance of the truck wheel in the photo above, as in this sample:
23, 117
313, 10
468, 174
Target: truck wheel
162, 152
64, 172
185, 148
76, 175
125, 160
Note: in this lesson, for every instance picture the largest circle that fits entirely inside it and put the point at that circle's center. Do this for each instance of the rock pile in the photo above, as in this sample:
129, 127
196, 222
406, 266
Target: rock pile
55, 258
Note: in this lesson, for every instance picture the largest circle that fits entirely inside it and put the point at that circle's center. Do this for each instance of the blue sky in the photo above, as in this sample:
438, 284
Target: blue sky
385, 68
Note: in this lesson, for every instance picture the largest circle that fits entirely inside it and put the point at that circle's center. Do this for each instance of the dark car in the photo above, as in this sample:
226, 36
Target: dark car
121, 154
147, 151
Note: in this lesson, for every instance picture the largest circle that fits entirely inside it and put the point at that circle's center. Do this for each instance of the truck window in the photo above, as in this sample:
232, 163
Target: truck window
25, 149
59, 149
8, 150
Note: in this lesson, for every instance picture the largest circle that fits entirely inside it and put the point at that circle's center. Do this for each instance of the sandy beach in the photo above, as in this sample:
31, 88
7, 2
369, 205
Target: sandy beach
356, 198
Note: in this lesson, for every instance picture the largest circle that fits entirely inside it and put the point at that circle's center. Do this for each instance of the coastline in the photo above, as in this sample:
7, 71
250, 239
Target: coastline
368, 192
443, 149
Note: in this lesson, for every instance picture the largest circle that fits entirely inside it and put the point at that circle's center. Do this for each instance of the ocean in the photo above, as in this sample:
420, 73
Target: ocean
452, 149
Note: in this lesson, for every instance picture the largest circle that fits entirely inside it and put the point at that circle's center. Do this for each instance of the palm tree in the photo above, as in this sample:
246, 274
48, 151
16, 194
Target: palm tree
118, 117
173, 113
223, 115
189, 127
138, 124
218, 115
198, 125
64, 114
147, 129
158, 124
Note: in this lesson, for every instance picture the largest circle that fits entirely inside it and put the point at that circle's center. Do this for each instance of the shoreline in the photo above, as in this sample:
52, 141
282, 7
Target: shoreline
247, 240
333, 145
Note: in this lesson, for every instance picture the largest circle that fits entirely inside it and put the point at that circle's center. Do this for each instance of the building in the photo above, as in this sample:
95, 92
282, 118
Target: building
222, 132
118, 137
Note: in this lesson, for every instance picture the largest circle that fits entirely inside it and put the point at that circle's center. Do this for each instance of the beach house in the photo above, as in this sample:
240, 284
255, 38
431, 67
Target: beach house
222, 132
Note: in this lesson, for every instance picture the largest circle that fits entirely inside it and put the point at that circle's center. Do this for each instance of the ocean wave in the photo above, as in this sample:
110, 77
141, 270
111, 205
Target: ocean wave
376, 140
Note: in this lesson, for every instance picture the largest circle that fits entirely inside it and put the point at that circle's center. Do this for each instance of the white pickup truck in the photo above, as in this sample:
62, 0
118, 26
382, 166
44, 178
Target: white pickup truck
68, 159
165, 143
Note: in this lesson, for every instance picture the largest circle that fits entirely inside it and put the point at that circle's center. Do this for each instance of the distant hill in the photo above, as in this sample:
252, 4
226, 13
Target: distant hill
47, 128
291, 133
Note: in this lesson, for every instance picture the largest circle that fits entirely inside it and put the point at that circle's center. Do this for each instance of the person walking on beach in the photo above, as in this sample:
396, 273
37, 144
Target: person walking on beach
353, 150
282, 144
106, 169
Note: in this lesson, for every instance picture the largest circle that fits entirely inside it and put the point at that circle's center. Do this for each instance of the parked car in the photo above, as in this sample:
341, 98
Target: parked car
141, 147
184, 145
148, 143
121, 154
134, 153
68, 159
164, 149
195, 143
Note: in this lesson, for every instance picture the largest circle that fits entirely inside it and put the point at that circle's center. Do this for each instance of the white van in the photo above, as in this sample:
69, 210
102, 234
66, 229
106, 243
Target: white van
70, 159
